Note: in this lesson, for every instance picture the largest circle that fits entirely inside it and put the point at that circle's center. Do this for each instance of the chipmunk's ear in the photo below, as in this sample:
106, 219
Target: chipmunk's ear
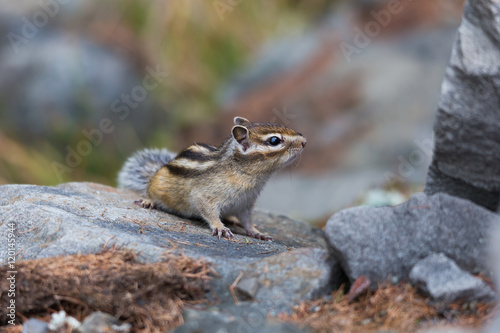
240, 134
241, 121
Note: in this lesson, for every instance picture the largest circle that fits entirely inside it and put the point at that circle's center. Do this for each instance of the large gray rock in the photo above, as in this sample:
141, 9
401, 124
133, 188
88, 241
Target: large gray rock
389, 241
467, 128
440, 277
85, 217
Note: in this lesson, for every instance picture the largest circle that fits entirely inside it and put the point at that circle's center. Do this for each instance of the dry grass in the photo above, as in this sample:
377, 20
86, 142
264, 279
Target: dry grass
397, 308
150, 296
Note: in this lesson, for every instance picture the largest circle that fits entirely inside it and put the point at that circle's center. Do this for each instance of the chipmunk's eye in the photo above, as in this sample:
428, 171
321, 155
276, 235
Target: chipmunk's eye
274, 141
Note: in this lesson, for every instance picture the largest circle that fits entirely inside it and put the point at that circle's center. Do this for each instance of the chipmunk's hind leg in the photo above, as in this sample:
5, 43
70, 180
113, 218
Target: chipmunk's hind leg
232, 220
246, 220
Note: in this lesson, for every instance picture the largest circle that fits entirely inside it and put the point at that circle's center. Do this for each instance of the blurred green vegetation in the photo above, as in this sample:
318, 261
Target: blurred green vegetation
200, 45
203, 46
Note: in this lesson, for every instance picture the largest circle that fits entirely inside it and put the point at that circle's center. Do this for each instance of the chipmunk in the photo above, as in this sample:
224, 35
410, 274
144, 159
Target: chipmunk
208, 182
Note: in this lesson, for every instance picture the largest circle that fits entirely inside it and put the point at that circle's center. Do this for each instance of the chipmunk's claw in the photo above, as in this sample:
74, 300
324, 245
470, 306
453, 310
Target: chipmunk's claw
145, 203
260, 236
222, 232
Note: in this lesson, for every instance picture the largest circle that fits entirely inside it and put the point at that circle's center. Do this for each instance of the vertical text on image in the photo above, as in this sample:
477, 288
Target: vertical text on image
11, 273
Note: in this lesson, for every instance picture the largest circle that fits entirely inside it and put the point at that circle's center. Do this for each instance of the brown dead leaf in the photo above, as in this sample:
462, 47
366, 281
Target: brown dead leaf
359, 286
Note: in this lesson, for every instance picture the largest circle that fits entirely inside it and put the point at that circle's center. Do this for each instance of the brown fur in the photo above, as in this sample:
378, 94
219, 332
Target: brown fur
212, 183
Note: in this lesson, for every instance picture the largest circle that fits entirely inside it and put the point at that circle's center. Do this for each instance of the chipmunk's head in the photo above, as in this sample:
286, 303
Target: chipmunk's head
265, 145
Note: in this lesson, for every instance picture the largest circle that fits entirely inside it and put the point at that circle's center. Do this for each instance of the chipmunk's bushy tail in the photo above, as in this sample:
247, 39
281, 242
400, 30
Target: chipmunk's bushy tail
141, 167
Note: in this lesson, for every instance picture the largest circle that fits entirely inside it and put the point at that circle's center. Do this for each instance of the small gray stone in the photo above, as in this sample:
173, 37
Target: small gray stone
98, 322
248, 287
389, 241
34, 325
440, 277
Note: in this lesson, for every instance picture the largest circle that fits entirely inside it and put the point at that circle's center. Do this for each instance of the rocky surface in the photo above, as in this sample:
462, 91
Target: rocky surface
440, 278
216, 322
494, 257
275, 280
387, 242
466, 154
86, 217
94, 323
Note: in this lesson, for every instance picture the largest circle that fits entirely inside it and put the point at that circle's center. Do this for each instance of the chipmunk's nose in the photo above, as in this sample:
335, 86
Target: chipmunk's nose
304, 142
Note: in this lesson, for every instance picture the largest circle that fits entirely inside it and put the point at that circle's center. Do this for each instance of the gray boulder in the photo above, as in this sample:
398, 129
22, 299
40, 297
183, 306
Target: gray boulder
389, 241
440, 277
85, 218
467, 128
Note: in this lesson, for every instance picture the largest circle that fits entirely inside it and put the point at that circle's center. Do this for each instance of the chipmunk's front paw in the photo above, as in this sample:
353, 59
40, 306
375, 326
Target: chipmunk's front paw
144, 203
258, 235
222, 232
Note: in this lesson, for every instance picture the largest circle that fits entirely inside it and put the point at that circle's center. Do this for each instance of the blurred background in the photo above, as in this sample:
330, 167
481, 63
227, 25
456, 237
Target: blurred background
85, 83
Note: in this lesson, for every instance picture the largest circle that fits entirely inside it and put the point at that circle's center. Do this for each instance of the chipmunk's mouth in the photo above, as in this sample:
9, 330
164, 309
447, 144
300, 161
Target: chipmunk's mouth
294, 153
